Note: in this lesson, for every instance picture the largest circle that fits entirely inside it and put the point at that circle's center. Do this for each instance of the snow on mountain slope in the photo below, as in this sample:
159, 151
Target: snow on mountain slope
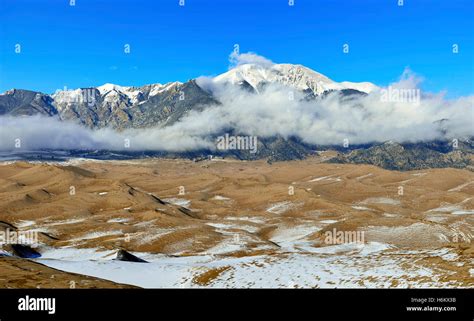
256, 75
109, 87
133, 92
365, 86
113, 91
296, 76
64, 99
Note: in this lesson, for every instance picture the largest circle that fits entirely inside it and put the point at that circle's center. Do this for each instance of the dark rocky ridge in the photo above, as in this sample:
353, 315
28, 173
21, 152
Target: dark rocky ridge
19, 102
396, 156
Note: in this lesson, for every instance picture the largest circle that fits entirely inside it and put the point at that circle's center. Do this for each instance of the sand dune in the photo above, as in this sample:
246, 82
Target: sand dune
240, 209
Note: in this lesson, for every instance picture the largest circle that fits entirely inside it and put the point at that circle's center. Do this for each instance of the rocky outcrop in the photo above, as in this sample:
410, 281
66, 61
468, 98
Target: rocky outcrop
123, 255
396, 156
19, 102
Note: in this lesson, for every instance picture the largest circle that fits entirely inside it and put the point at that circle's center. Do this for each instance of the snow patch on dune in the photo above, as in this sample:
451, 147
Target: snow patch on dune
325, 178
281, 207
220, 198
381, 200
288, 234
178, 201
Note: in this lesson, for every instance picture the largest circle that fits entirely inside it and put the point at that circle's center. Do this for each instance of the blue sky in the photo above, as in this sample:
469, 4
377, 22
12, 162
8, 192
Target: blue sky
83, 45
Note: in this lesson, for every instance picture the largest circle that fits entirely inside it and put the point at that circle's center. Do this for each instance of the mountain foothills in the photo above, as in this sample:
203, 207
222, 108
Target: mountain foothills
162, 105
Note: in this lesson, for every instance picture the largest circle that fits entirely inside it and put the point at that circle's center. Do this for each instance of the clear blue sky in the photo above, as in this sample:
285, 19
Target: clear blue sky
82, 45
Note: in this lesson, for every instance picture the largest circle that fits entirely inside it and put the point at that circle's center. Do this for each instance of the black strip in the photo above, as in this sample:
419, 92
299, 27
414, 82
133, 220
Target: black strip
209, 304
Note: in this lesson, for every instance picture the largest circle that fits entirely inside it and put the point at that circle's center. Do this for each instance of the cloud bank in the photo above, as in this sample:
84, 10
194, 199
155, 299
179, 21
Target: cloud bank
40, 132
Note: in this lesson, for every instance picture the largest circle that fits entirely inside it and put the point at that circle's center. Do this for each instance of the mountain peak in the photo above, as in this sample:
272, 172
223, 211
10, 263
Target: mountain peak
109, 87
298, 77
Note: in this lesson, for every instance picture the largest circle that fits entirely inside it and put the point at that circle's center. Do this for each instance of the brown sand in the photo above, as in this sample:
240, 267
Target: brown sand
129, 204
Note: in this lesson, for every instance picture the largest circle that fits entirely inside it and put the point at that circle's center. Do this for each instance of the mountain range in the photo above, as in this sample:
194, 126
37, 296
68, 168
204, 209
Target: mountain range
162, 105
121, 107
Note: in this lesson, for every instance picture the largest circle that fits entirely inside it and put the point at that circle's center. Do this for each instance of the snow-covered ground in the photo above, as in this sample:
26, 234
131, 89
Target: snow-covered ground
352, 265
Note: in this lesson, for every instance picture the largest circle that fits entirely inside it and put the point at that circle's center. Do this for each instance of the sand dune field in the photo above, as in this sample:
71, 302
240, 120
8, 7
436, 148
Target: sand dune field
227, 223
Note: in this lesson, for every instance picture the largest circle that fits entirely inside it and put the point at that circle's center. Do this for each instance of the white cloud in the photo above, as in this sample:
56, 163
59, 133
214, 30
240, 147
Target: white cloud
237, 59
40, 132
331, 120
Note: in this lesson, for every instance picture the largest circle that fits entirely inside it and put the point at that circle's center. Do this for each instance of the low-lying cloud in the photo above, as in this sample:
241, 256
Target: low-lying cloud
40, 132
360, 119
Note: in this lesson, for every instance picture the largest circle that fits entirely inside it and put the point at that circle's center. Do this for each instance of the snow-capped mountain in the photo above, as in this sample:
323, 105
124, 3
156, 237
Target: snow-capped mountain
121, 107
256, 76
294, 76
